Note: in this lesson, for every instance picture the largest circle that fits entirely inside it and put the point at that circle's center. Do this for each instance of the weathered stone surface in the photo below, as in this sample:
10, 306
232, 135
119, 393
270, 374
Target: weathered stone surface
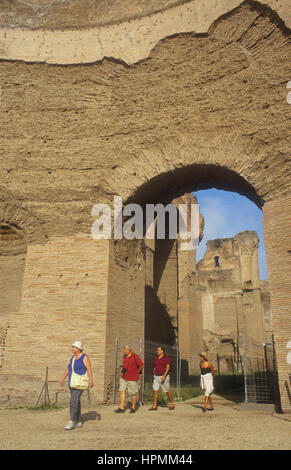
75, 136
77, 13
228, 278
267, 311
199, 111
129, 41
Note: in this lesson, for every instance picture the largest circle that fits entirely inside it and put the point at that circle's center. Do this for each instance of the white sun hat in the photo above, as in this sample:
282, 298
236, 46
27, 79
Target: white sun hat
78, 344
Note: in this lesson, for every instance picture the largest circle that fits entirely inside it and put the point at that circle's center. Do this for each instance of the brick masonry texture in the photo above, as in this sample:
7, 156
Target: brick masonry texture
63, 299
198, 111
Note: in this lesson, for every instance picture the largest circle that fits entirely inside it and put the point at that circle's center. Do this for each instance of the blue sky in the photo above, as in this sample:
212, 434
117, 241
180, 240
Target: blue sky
227, 214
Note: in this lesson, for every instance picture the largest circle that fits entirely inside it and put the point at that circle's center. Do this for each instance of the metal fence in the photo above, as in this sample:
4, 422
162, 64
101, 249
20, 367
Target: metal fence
260, 371
254, 362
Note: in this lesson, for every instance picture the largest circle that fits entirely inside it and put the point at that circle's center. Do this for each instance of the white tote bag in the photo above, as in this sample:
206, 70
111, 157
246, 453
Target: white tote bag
80, 382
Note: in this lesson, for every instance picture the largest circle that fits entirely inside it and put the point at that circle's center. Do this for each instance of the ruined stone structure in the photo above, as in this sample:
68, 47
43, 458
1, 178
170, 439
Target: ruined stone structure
172, 303
234, 302
146, 100
266, 311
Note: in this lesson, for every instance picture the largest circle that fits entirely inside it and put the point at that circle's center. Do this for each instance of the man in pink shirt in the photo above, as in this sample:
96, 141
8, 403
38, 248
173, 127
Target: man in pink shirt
162, 378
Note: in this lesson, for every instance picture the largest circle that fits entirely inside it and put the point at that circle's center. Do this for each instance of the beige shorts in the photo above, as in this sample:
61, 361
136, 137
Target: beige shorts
131, 386
158, 384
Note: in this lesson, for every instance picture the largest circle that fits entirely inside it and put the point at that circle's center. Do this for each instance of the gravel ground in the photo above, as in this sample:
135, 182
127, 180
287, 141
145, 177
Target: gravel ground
229, 427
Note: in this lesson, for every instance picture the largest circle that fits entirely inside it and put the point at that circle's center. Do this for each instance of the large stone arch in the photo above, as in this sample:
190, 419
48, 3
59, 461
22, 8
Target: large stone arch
24, 220
189, 92
166, 186
13, 249
19, 229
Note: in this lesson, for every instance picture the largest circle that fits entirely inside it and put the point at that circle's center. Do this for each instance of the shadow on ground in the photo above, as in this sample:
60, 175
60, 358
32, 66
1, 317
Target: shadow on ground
91, 416
236, 396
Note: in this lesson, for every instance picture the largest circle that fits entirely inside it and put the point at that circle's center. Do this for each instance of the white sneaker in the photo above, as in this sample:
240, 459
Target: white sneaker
69, 425
79, 425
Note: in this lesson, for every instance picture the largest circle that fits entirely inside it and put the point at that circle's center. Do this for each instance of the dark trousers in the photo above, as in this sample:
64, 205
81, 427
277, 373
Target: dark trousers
75, 405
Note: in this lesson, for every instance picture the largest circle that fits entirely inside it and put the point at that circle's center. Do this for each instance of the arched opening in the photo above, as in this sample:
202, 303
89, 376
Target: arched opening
191, 178
215, 303
13, 247
217, 261
228, 109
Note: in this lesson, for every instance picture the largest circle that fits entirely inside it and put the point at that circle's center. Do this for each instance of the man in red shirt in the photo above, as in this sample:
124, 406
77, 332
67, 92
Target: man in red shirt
129, 381
162, 378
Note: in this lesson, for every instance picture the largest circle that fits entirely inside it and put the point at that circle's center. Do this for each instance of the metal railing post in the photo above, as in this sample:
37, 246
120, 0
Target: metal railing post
245, 369
115, 369
141, 376
177, 368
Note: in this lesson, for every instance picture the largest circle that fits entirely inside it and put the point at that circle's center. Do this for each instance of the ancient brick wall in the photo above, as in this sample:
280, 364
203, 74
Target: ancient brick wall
277, 226
173, 307
11, 278
267, 311
190, 321
199, 111
125, 315
64, 299
230, 289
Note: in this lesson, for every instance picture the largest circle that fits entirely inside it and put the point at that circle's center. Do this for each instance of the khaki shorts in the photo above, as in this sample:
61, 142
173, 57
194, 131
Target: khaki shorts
131, 386
158, 384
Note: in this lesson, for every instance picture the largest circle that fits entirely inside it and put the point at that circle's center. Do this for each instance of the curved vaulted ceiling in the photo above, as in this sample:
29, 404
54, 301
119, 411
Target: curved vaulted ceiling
86, 31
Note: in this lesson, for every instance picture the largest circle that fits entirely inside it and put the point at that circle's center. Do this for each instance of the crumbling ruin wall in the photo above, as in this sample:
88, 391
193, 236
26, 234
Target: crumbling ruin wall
173, 312
267, 311
127, 30
199, 111
232, 294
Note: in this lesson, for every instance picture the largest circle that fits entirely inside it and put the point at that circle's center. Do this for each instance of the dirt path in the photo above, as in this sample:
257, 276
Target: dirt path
187, 428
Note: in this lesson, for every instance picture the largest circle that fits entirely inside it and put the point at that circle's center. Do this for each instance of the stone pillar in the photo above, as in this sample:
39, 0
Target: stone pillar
125, 307
190, 324
166, 279
247, 247
277, 228
248, 243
